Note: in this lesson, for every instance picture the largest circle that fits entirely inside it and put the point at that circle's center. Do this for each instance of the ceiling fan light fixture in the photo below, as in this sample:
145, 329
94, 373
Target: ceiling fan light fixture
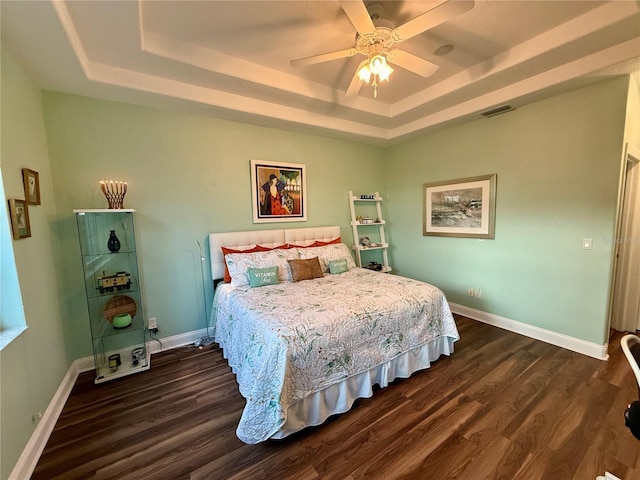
385, 72
377, 63
364, 74
375, 37
378, 68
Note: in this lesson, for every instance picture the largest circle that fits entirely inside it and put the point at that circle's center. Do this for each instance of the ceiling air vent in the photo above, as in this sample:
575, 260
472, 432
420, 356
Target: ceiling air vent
497, 111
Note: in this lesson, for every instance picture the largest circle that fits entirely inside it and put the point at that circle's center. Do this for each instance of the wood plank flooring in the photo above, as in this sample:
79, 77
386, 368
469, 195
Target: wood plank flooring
502, 406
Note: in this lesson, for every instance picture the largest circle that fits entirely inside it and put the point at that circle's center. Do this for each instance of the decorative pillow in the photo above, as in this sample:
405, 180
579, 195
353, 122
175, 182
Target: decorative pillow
305, 269
284, 246
317, 243
240, 263
320, 243
328, 252
225, 251
338, 266
259, 277
293, 245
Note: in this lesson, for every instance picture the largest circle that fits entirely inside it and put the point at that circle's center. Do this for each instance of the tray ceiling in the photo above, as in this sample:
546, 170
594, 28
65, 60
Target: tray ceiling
231, 59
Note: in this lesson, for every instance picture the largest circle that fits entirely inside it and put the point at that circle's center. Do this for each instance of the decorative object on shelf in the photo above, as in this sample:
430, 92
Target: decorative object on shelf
137, 354
461, 208
366, 220
110, 283
31, 181
365, 242
119, 305
278, 191
115, 192
121, 320
114, 361
367, 197
113, 244
374, 266
19, 214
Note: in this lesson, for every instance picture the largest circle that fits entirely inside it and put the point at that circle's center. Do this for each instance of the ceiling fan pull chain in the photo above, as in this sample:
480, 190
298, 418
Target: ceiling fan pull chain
375, 87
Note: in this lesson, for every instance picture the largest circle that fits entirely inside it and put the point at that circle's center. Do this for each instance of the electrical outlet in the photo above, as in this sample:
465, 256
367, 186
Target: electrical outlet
153, 324
471, 292
478, 293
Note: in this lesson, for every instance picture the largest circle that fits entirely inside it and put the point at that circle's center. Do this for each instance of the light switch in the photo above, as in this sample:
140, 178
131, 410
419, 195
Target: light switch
587, 243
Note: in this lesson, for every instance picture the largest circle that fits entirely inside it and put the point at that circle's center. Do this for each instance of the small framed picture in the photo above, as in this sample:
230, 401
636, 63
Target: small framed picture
19, 214
31, 182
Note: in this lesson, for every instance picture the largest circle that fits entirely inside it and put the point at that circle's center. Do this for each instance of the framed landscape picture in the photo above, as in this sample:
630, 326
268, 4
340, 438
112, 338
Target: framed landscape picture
278, 191
461, 208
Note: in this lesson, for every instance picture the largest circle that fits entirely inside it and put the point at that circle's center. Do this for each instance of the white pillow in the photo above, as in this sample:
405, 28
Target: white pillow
335, 251
240, 263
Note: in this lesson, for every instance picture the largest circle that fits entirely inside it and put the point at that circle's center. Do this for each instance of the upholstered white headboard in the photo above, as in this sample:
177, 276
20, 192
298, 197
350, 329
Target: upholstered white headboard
266, 238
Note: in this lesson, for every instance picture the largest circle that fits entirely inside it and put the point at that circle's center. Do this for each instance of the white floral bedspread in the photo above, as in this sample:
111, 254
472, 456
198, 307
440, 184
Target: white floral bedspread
288, 340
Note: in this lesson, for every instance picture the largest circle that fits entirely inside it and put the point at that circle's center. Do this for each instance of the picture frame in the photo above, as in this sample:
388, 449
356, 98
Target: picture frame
19, 215
278, 191
464, 207
31, 182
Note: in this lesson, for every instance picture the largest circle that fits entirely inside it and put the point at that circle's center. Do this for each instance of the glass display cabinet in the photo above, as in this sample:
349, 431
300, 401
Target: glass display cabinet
112, 287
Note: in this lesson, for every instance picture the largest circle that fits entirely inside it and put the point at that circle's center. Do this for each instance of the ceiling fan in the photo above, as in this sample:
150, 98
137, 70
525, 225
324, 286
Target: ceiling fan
376, 36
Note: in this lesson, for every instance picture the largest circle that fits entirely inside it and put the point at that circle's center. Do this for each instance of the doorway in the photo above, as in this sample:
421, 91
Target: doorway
626, 289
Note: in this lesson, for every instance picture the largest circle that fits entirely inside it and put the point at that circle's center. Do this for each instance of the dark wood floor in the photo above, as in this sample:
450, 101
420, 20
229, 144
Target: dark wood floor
502, 406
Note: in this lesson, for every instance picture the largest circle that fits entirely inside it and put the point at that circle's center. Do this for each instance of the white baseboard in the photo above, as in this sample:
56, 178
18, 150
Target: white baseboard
570, 343
175, 341
32, 451
35, 446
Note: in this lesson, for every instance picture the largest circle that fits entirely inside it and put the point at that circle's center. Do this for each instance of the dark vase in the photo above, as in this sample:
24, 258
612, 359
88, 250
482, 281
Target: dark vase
113, 244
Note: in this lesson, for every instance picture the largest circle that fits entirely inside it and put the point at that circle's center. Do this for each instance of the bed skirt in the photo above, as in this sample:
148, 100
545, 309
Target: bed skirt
338, 398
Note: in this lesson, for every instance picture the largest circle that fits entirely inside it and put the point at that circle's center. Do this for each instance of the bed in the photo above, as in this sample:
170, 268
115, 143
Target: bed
305, 350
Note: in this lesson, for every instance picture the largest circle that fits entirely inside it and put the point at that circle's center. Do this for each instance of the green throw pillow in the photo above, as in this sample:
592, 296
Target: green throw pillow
259, 277
338, 266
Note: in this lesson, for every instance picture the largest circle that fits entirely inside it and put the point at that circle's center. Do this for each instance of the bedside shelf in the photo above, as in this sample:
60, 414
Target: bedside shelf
365, 208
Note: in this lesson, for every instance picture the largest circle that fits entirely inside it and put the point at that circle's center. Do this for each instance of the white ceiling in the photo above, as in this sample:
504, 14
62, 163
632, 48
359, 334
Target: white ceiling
230, 59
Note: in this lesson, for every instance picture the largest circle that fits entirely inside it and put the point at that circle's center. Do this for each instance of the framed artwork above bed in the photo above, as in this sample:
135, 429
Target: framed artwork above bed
278, 192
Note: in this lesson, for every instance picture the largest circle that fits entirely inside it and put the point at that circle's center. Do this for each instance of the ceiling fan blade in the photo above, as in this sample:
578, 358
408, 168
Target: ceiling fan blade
356, 83
324, 57
354, 87
358, 15
410, 62
434, 17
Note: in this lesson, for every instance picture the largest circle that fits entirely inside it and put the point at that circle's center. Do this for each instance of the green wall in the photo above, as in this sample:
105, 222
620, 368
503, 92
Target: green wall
34, 364
188, 176
558, 164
